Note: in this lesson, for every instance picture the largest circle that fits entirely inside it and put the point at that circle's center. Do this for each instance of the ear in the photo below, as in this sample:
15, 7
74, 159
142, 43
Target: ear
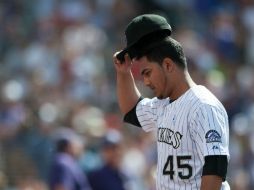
168, 65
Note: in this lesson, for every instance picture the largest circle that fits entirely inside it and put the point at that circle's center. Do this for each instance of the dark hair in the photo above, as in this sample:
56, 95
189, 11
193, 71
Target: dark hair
168, 47
61, 145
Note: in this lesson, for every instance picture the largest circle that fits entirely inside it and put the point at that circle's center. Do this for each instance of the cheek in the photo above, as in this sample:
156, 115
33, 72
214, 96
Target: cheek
160, 80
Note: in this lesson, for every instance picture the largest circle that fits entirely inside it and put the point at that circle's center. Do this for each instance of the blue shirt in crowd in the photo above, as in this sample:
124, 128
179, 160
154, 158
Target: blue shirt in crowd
66, 171
106, 178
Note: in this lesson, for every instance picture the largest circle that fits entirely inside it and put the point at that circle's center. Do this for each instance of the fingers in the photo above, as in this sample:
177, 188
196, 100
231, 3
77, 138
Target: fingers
115, 60
127, 59
114, 56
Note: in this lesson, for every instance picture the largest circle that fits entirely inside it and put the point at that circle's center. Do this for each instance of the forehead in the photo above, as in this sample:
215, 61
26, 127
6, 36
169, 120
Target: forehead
143, 62
143, 65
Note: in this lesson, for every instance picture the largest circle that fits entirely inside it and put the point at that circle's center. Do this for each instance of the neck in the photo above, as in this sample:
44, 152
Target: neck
184, 84
188, 79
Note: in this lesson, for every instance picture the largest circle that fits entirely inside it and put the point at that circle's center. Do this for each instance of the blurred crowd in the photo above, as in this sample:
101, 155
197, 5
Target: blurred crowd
57, 74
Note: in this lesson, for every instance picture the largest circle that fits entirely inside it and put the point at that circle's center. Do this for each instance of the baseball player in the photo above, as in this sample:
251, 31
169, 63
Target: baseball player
191, 123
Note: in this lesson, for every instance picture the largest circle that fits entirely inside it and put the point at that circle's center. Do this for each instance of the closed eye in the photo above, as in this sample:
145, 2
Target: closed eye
146, 73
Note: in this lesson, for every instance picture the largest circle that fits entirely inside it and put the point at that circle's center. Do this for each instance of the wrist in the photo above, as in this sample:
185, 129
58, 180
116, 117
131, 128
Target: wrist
123, 74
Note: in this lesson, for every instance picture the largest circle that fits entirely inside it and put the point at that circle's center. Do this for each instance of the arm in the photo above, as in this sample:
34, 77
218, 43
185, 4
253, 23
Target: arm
210, 131
127, 91
214, 172
211, 182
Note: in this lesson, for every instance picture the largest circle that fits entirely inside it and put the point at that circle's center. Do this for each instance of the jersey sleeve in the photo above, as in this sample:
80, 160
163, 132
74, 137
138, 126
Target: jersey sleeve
209, 130
147, 113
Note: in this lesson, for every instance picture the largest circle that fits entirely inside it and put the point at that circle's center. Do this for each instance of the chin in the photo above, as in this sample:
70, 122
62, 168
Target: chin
160, 97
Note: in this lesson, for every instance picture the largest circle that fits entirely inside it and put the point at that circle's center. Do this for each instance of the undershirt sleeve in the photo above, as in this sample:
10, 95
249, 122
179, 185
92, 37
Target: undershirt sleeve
216, 165
131, 116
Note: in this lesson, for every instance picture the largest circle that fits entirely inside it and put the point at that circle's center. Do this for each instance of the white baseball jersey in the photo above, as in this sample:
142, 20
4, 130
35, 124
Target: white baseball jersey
188, 129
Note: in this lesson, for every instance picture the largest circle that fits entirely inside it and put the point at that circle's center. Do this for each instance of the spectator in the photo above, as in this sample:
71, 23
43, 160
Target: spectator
65, 174
109, 176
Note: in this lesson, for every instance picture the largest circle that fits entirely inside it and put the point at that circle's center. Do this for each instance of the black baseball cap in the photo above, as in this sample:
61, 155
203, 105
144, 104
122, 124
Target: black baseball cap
142, 30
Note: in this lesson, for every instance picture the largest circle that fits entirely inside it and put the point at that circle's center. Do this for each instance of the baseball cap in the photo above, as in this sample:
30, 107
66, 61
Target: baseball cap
142, 30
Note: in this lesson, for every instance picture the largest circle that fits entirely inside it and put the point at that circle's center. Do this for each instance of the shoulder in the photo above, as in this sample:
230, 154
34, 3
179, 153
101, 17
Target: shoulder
201, 95
101, 173
63, 161
153, 102
97, 171
203, 99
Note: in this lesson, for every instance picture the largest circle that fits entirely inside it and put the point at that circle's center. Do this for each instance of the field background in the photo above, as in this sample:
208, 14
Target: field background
57, 73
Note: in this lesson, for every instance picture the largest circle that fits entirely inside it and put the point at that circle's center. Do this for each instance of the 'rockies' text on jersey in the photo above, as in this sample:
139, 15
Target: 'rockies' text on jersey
188, 129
